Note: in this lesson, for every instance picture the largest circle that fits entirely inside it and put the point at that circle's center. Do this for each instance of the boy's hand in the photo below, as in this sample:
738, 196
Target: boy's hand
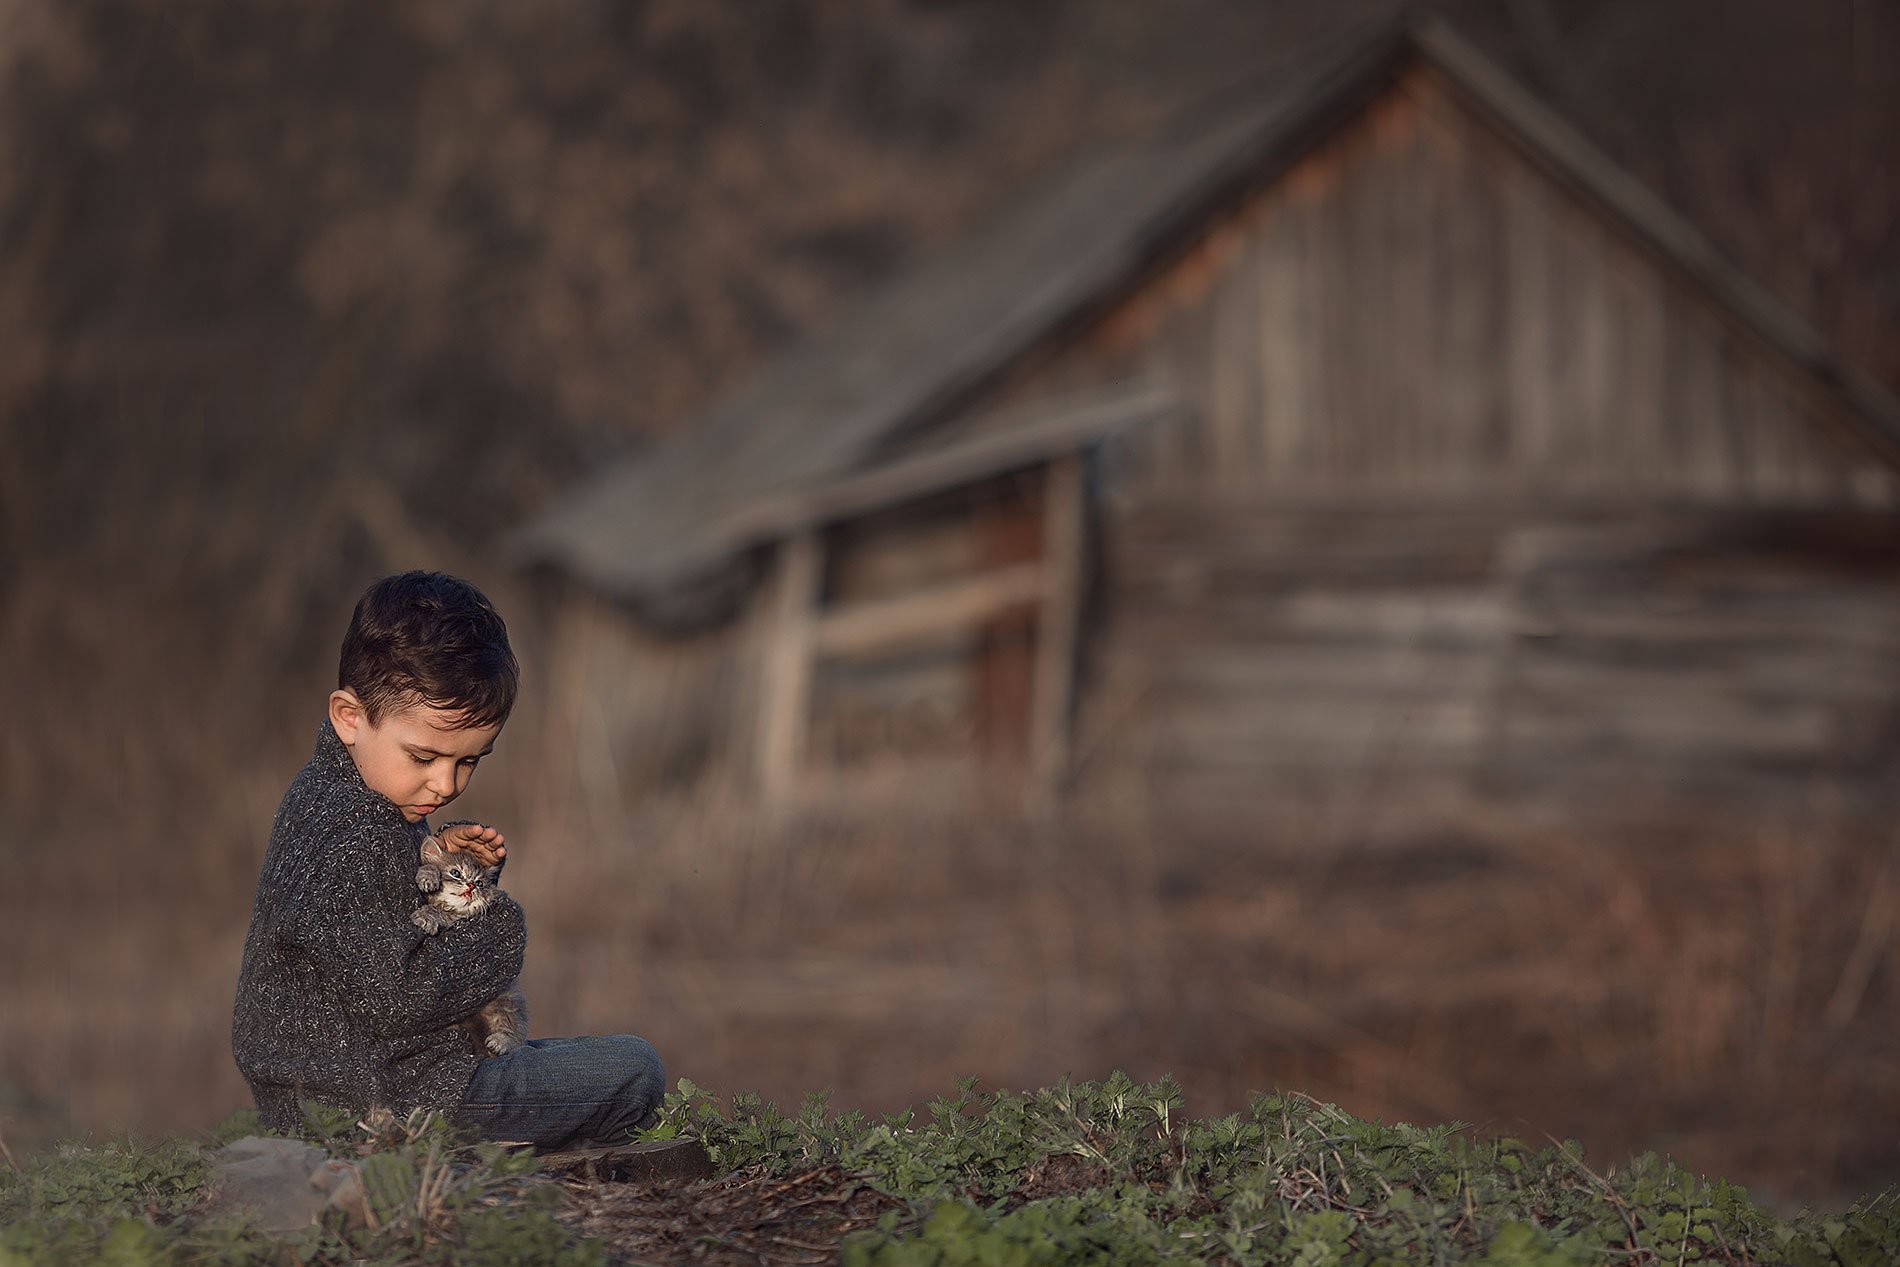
481, 843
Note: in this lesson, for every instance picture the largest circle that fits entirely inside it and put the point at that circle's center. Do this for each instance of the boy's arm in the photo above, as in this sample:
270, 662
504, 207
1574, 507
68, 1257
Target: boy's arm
397, 980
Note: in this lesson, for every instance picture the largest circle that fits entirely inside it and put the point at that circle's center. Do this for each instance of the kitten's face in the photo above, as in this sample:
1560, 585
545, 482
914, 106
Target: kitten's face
466, 885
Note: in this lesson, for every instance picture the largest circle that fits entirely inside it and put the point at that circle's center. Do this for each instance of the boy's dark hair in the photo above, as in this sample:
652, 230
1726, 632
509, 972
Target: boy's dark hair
429, 637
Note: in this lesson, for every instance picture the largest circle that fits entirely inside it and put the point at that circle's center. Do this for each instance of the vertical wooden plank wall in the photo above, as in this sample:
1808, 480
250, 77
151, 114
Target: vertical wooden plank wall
1371, 554
1437, 525
1350, 673
1416, 308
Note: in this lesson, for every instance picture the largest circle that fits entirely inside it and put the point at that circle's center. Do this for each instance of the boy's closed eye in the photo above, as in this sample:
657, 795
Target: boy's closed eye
425, 759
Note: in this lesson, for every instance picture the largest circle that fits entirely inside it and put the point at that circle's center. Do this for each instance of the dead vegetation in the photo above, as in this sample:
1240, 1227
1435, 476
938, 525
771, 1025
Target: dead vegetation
1720, 998
750, 1217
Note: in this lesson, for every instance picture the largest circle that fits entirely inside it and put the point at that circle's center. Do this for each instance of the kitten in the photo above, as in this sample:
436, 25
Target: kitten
458, 887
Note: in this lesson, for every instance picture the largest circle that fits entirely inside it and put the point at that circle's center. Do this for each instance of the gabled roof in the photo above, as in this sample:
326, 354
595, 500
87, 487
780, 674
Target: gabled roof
833, 407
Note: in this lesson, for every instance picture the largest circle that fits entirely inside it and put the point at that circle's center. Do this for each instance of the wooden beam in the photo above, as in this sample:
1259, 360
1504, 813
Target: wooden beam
787, 654
1056, 627
875, 625
1012, 439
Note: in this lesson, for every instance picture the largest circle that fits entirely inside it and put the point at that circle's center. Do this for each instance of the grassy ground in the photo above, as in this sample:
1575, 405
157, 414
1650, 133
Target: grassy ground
1110, 1172
1724, 999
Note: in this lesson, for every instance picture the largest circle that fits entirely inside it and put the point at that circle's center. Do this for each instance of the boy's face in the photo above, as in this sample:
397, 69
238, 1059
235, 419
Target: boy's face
418, 756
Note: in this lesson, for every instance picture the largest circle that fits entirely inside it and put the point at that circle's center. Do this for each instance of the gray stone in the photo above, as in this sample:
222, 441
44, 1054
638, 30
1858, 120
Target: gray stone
342, 1187
280, 1186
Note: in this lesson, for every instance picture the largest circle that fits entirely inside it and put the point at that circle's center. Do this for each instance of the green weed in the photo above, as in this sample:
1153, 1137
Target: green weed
1111, 1172
1082, 1172
431, 1198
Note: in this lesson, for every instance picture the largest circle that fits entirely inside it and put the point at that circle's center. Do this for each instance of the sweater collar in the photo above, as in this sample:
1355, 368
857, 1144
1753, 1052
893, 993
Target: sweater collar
332, 758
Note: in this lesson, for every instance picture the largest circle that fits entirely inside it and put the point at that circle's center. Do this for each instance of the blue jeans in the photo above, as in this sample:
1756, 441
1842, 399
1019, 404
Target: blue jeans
561, 1093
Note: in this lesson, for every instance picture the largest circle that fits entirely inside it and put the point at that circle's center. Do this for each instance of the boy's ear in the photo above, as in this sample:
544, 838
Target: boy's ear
432, 851
346, 714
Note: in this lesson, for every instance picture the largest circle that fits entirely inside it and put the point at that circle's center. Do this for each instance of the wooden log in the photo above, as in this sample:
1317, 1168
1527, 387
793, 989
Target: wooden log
1557, 726
1329, 726
1012, 438
1005, 651
1247, 672
877, 625
1373, 757
1849, 627
1452, 616
1762, 673
785, 689
650, 1162
1057, 624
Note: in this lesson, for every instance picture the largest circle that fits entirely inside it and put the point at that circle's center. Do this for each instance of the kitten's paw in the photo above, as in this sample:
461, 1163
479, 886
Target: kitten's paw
428, 919
428, 877
501, 1044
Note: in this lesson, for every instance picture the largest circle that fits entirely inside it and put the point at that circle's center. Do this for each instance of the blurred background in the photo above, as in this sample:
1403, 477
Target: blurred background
1330, 564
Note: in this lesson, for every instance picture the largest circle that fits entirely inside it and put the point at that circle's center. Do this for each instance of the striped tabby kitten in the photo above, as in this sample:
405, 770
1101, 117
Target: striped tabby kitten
458, 887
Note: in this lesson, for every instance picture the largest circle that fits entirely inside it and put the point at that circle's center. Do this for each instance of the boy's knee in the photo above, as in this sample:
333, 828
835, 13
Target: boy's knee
635, 1066
640, 1064
638, 1085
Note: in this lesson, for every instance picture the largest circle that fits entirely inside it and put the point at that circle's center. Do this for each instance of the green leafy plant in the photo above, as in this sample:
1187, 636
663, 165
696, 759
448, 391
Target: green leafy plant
430, 1197
1111, 1172
1081, 1172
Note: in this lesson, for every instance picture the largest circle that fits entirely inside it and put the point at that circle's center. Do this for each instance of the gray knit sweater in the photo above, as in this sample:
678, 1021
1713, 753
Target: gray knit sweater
341, 999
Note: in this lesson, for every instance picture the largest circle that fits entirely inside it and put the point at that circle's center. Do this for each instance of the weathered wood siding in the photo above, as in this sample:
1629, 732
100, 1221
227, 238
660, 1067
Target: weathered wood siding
961, 692
1738, 656
1416, 308
1357, 668
1478, 503
1279, 657
642, 712
647, 711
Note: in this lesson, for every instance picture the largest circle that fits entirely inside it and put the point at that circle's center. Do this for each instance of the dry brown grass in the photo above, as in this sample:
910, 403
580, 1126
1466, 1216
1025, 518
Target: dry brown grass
1721, 997
1721, 990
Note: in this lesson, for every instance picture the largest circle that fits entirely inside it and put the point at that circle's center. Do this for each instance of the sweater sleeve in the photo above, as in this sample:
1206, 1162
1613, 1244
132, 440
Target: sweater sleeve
399, 981
396, 980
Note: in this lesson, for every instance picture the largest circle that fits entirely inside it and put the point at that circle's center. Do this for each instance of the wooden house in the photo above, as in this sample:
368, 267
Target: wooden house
1378, 439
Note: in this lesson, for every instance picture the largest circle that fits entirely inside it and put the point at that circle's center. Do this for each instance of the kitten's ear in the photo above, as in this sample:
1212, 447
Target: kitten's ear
432, 850
492, 874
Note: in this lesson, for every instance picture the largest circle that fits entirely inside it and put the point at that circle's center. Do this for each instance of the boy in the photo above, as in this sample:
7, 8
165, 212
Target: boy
342, 999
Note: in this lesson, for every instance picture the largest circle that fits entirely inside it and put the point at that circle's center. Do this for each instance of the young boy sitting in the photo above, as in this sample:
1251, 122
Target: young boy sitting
342, 998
